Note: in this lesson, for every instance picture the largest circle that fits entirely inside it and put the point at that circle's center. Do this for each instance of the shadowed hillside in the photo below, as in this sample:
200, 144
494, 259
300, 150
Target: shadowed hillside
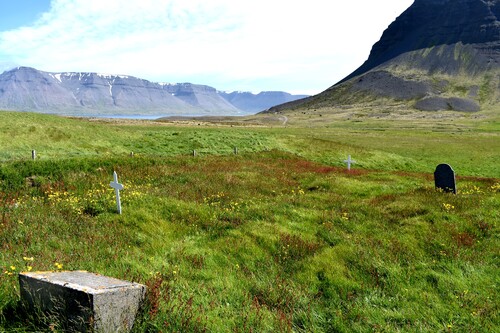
430, 23
437, 55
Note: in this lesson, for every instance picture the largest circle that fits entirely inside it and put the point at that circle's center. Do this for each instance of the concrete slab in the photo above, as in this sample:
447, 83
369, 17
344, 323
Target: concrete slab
83, 301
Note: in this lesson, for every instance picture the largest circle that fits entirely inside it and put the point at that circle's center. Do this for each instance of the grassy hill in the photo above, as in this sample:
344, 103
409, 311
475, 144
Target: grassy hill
278, 238
400, 86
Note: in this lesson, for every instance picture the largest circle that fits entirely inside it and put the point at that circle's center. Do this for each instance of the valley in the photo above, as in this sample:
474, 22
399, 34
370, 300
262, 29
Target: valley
324, 213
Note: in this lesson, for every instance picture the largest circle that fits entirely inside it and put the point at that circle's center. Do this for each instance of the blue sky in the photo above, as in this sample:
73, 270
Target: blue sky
17, 13
248, 45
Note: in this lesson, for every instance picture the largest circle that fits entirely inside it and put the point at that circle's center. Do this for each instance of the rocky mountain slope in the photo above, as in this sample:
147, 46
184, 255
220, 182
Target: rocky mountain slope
28, 89
259, 102
437, 55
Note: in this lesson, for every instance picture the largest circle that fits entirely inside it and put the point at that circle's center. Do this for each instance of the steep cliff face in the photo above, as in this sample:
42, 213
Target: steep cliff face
430, 23
195, 94
28, 89
108, 92
437, 55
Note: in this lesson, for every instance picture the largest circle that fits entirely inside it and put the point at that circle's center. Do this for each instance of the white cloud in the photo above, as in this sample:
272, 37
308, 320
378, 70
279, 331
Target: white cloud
243, 45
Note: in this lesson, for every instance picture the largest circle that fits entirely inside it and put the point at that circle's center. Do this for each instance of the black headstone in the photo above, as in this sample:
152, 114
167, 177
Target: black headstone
444, 178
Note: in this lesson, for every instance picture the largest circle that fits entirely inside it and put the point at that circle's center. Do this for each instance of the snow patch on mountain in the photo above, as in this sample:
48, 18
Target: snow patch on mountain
80, 93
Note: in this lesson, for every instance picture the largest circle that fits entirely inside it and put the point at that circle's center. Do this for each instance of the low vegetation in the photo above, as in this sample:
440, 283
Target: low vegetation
415, 142
279, 238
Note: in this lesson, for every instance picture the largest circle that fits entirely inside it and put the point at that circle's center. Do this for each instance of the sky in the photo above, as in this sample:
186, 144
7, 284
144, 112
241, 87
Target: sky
302, 47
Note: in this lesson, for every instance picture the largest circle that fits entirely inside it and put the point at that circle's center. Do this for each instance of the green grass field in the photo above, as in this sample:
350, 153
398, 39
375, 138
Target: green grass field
279, 238
470, 146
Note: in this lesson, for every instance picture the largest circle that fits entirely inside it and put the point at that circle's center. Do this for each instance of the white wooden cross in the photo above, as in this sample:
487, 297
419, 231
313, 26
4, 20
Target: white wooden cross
349, 162
117, 186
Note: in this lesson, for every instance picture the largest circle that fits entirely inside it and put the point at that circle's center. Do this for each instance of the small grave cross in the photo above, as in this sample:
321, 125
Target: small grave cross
117, 186
349, 161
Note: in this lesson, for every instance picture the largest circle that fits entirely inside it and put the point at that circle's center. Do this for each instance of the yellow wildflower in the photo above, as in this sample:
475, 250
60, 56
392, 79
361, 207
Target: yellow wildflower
448, 207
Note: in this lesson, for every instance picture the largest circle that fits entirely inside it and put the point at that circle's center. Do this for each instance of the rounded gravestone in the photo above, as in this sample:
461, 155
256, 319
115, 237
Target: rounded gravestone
444, 178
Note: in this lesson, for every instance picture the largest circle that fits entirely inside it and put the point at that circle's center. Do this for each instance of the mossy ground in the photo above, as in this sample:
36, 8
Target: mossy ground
277, 238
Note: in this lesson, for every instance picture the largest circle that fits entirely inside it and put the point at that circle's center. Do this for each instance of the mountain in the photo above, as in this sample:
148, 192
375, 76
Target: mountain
253, 103
437, 55
91, 94
28, 89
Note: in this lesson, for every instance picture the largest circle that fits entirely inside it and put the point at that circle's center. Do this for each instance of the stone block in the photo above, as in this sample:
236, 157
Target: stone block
83, 301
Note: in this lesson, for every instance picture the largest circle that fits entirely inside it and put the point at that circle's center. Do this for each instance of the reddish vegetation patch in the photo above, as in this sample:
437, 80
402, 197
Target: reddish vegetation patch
413, 174
487, 181
464, 239
429, 176
355, 172
382, 199
196, 260
484, 227
308, 166
220, 165
293, 247
302, 165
